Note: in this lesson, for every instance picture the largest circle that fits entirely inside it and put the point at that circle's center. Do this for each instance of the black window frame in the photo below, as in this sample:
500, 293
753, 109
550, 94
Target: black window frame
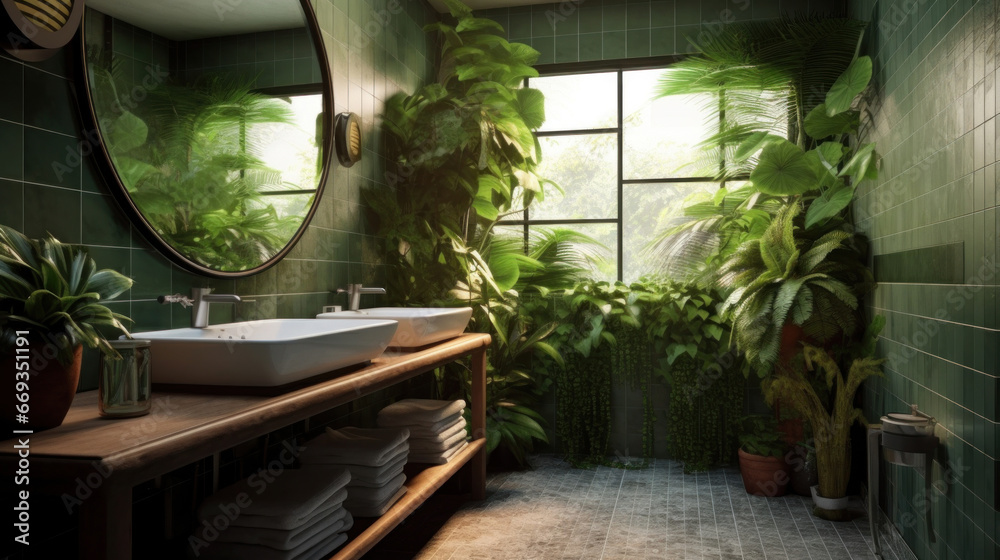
620, 67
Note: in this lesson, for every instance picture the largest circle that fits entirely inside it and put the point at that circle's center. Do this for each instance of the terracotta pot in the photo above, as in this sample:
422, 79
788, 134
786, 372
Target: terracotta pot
763, 476
51, 389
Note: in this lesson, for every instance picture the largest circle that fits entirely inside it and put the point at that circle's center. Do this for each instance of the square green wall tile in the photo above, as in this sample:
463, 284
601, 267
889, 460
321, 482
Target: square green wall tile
638, 15
567, 22
661, 41
637, 42
615, 16
12, 155
11, 193
542, 23
614, 45
591, 18
519, 26
52, 210
103, 224
48, 102
591, 47
567, 49
54, 158
688, 13
11, 94
546, 47
661, 14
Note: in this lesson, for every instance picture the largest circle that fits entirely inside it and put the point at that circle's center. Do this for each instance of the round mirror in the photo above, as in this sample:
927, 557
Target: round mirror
213, 121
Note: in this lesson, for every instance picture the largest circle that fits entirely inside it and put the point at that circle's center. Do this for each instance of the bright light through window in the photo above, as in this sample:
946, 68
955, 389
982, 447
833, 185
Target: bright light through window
649, 162
293, 146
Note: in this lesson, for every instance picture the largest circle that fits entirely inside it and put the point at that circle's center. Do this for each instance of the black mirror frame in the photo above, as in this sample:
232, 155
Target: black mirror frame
99, 153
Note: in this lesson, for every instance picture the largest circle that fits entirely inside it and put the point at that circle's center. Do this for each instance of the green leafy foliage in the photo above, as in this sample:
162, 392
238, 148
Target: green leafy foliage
760, 436
55, 290
764, 76
468, 137
191, 168
824, 396
705, 403
793, 276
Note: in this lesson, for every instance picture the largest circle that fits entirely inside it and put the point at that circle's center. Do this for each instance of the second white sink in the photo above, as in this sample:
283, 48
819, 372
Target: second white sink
418, 326
267, 353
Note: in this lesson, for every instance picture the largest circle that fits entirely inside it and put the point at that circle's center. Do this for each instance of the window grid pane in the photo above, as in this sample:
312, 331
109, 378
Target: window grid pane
657, 139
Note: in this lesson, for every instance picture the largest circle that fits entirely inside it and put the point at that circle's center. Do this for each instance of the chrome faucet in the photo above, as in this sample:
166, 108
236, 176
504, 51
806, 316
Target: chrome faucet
354, 292
198, 302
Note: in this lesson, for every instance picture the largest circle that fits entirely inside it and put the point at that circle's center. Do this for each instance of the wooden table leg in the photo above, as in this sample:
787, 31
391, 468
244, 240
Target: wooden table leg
106, 523
477, 466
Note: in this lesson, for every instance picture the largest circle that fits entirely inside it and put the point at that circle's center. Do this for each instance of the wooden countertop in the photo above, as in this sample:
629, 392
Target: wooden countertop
184, 427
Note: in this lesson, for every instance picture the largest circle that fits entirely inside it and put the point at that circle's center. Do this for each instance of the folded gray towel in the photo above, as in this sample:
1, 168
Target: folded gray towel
379, 509
390, 473
435, 429
337, 519
423, 446
360, 496
291, 495
332, 503
435, 458
362, 475
316, 547
373, 447
420, 412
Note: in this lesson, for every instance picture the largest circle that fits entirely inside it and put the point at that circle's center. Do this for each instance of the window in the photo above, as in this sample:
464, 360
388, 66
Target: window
623, 159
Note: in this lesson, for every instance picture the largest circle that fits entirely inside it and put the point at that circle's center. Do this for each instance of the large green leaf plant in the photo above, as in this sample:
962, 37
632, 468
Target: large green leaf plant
55, 291
465, 155
780, 93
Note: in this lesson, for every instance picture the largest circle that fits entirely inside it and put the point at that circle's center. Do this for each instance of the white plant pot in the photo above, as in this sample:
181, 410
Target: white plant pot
831, 504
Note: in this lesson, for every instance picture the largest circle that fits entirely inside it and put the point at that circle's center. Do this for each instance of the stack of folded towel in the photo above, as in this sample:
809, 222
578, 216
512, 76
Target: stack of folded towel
437, 428
375, 457
296, 515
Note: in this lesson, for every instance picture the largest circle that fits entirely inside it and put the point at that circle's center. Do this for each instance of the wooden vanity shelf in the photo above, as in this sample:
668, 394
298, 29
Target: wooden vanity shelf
184, 428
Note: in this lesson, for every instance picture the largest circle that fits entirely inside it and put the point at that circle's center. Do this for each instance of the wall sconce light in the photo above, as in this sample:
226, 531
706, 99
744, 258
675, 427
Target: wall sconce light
347, 137
34, 30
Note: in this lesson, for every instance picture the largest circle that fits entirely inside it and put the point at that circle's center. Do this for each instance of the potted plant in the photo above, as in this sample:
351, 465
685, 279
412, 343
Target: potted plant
824, 395
50, 306
762, 462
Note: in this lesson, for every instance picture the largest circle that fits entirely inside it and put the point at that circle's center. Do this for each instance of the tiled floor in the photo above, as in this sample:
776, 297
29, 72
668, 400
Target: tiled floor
555, 512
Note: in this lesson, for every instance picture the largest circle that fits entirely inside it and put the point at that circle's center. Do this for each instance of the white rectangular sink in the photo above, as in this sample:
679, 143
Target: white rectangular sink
267, 353
418, 326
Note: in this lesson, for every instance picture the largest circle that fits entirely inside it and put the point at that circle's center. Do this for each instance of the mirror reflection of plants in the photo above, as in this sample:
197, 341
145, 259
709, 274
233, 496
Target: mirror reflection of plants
190, 158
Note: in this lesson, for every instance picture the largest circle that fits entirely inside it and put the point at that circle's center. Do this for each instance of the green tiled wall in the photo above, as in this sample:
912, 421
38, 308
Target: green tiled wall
592, 30
268, 59
933, 117
374, 49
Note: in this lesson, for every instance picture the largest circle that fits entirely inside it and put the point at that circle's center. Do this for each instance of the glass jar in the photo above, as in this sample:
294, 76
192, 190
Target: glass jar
125, 384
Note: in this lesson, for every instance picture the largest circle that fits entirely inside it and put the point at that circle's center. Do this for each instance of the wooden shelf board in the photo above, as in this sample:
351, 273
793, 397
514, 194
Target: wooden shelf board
418, 490
184, 427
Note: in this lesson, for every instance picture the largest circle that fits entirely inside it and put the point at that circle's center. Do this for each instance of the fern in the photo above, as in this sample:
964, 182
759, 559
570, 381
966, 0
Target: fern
788, 277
